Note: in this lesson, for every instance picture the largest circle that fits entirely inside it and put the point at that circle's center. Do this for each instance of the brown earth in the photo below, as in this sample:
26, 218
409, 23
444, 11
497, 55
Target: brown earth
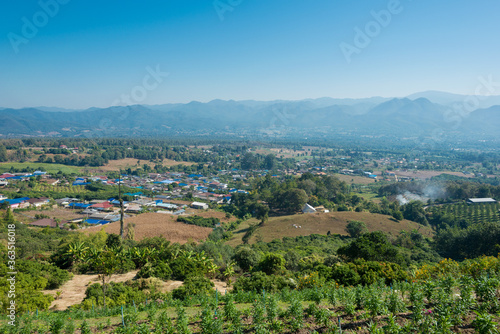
73, 291
157, 224
59, 213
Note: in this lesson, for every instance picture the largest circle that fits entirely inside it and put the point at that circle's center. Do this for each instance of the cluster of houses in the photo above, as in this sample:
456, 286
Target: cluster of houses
6, 177
358, 172
24, 202
168, 186
100, 212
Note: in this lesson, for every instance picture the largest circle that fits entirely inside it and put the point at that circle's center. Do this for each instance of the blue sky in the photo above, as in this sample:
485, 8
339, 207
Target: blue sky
91, 53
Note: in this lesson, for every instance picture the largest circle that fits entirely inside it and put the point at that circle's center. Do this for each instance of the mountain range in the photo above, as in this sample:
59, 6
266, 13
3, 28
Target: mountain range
424, 114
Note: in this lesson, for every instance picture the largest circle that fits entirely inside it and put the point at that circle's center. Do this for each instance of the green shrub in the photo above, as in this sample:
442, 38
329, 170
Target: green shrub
356, 228
246, 258
159, 269
199, 221
259, 281
116, 294
193, 286
183, 267
367, 272
272, 264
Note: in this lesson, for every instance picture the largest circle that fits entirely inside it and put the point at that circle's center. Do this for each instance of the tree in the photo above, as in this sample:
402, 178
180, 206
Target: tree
415, 211
229, 272
113, 241
8, 218
249, 161
3, 153
262, 213
293, 200
356, 228
246, 258
105, 263
272, 264
398, 215
373, 246
269, 162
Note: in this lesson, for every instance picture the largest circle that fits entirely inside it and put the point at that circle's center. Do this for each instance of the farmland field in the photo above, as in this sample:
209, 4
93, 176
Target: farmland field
352, 179
157, 224
427, 174
50, 168
476, 213
59, 213
114, 165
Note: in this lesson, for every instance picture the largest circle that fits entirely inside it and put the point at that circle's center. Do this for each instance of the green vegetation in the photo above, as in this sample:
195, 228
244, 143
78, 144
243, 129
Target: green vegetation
199, 221
32, 166
367, 281
463, 215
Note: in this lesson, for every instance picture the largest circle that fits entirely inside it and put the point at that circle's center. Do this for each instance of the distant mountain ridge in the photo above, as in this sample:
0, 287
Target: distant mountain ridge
413, 116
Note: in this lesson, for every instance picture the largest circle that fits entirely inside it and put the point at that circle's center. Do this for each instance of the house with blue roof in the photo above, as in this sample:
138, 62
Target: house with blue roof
96, 221
75, 205
80, 183
17, 202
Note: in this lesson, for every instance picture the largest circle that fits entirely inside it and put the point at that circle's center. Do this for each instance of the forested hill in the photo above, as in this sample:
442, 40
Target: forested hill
321, 118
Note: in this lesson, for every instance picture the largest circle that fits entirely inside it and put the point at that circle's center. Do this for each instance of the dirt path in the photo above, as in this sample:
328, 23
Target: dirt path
73, 291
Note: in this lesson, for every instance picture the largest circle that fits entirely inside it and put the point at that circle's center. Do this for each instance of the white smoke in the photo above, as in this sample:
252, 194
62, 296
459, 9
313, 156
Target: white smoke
402, 200
431, 191
408, 196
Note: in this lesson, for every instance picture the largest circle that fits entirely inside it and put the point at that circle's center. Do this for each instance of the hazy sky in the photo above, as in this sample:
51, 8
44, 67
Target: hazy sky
83, 53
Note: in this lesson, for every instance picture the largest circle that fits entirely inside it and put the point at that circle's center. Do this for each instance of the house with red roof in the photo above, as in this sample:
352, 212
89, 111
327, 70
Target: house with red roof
104, 206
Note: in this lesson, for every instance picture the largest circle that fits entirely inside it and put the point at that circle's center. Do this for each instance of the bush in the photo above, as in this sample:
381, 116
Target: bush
116, 294
183, 268
272, 264
193, 286
199, 221
367, 272
259, 281
373, 246
246, 258
356, 228
159, 269
55, 277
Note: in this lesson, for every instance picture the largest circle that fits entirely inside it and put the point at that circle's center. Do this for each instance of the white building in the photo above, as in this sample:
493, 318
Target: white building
199, 205
308, 209
480, 200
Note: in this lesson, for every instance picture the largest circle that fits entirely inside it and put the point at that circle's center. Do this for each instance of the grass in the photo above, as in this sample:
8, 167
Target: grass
49, 168
353, 179
322, 223
369, 196
113, 165
240, 232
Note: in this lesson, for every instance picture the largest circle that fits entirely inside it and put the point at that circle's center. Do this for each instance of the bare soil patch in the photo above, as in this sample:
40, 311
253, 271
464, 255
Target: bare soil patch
73, 291
59, 213
157, 224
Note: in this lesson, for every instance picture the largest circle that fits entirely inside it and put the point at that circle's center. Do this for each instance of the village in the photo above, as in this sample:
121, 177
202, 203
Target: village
167, 193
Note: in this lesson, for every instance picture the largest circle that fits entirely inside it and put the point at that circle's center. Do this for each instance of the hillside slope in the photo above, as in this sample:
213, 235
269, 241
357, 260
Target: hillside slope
322, 223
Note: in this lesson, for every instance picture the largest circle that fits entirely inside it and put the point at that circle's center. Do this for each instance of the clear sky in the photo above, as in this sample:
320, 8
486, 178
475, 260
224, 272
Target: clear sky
86, 53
